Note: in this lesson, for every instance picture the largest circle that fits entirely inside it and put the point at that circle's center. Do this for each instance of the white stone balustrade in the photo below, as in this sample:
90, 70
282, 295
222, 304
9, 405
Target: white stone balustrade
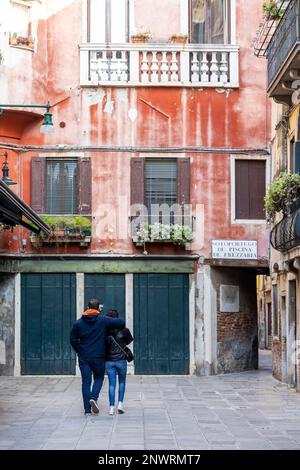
159, 65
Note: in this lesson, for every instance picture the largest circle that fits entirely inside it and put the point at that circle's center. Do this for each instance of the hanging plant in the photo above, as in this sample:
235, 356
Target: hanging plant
272, 11
282, 194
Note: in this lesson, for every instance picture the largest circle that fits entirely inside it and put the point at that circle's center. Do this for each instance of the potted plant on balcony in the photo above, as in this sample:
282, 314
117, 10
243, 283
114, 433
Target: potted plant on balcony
283, 195
142, 36
178, 38
272, 10
13, 40
78, 227
161, 233
65, 229
30, 42
23, 40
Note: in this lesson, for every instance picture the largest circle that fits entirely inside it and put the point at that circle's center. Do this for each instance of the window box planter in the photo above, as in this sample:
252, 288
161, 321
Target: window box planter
178, 39
65, 229
140, 37
21, 41
180, 235
38, 241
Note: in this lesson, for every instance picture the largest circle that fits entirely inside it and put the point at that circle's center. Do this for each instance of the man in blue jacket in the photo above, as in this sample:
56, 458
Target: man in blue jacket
88, 337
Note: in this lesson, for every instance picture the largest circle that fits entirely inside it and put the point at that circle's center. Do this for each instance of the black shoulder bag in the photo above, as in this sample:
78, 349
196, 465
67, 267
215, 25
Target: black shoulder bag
128, 353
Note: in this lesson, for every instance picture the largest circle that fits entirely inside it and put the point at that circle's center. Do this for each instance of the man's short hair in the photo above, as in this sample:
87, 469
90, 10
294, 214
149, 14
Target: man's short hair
94, 304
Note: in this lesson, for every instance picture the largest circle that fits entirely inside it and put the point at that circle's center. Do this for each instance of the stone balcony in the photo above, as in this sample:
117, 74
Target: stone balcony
148, 64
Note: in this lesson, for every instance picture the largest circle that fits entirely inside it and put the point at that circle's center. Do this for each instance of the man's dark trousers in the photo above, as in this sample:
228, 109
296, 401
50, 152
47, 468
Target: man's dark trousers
91, 367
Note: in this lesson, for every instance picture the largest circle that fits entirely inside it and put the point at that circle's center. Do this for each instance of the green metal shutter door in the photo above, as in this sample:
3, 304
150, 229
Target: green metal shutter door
108, 288
48, 311
161, 323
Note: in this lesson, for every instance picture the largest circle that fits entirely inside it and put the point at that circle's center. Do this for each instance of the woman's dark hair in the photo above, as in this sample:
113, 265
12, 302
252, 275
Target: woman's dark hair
113, 314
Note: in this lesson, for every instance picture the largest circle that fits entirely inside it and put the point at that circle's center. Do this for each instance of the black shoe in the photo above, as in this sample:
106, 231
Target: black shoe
94, 406
87, 413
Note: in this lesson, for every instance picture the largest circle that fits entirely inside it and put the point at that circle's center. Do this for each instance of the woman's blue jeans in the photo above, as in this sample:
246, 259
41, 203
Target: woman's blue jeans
114, 368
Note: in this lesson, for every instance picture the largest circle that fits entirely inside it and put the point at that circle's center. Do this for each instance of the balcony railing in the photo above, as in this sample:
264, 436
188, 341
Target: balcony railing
284, 40
159, 65
286, 234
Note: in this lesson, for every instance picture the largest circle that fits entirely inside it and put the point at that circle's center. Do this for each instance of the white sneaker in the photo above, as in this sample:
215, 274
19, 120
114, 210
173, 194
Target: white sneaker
94, 406
111, 410
121, 408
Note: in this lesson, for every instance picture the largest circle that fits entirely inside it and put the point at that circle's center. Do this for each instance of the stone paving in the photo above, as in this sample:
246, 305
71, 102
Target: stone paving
248, 410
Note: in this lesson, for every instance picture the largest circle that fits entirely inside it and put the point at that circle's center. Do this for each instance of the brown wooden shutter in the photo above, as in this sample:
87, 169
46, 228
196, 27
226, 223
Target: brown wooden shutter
137, 181
250, 188
183, 180
85, 186
242, 189
38, 167
257, 185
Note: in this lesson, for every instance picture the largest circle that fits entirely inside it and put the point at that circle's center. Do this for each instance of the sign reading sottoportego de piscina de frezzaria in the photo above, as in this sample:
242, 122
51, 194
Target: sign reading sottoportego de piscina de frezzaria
234, 249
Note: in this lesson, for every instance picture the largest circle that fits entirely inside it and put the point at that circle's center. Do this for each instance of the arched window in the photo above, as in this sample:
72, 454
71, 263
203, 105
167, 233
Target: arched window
210, 21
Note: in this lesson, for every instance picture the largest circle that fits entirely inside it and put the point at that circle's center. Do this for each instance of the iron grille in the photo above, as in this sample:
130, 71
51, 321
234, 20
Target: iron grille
284, 38
286, 234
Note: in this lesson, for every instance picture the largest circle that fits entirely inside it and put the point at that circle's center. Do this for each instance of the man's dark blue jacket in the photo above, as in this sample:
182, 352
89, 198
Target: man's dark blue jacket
89, 333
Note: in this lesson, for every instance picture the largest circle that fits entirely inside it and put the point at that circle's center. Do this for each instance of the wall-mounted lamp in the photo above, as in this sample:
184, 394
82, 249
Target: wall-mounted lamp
5, 171
24, 244
47, 126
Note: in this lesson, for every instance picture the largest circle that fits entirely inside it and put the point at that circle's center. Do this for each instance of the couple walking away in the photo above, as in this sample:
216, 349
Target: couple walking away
101, 344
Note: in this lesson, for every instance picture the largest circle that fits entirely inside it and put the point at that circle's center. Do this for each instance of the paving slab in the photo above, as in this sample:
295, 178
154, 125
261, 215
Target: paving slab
249, 410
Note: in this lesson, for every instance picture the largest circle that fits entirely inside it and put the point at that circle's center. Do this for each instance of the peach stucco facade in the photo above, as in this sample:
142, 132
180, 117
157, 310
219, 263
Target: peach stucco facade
206, 103
166, 117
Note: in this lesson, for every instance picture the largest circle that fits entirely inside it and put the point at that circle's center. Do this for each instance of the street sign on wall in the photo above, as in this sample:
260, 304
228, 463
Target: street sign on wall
234, 249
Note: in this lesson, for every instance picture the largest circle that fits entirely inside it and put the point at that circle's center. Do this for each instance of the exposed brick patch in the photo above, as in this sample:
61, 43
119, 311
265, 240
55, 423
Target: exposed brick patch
237, 335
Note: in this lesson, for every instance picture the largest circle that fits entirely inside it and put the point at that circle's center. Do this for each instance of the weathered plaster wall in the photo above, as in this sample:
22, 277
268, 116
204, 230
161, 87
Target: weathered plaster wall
237, 340
165, 117
7, 324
